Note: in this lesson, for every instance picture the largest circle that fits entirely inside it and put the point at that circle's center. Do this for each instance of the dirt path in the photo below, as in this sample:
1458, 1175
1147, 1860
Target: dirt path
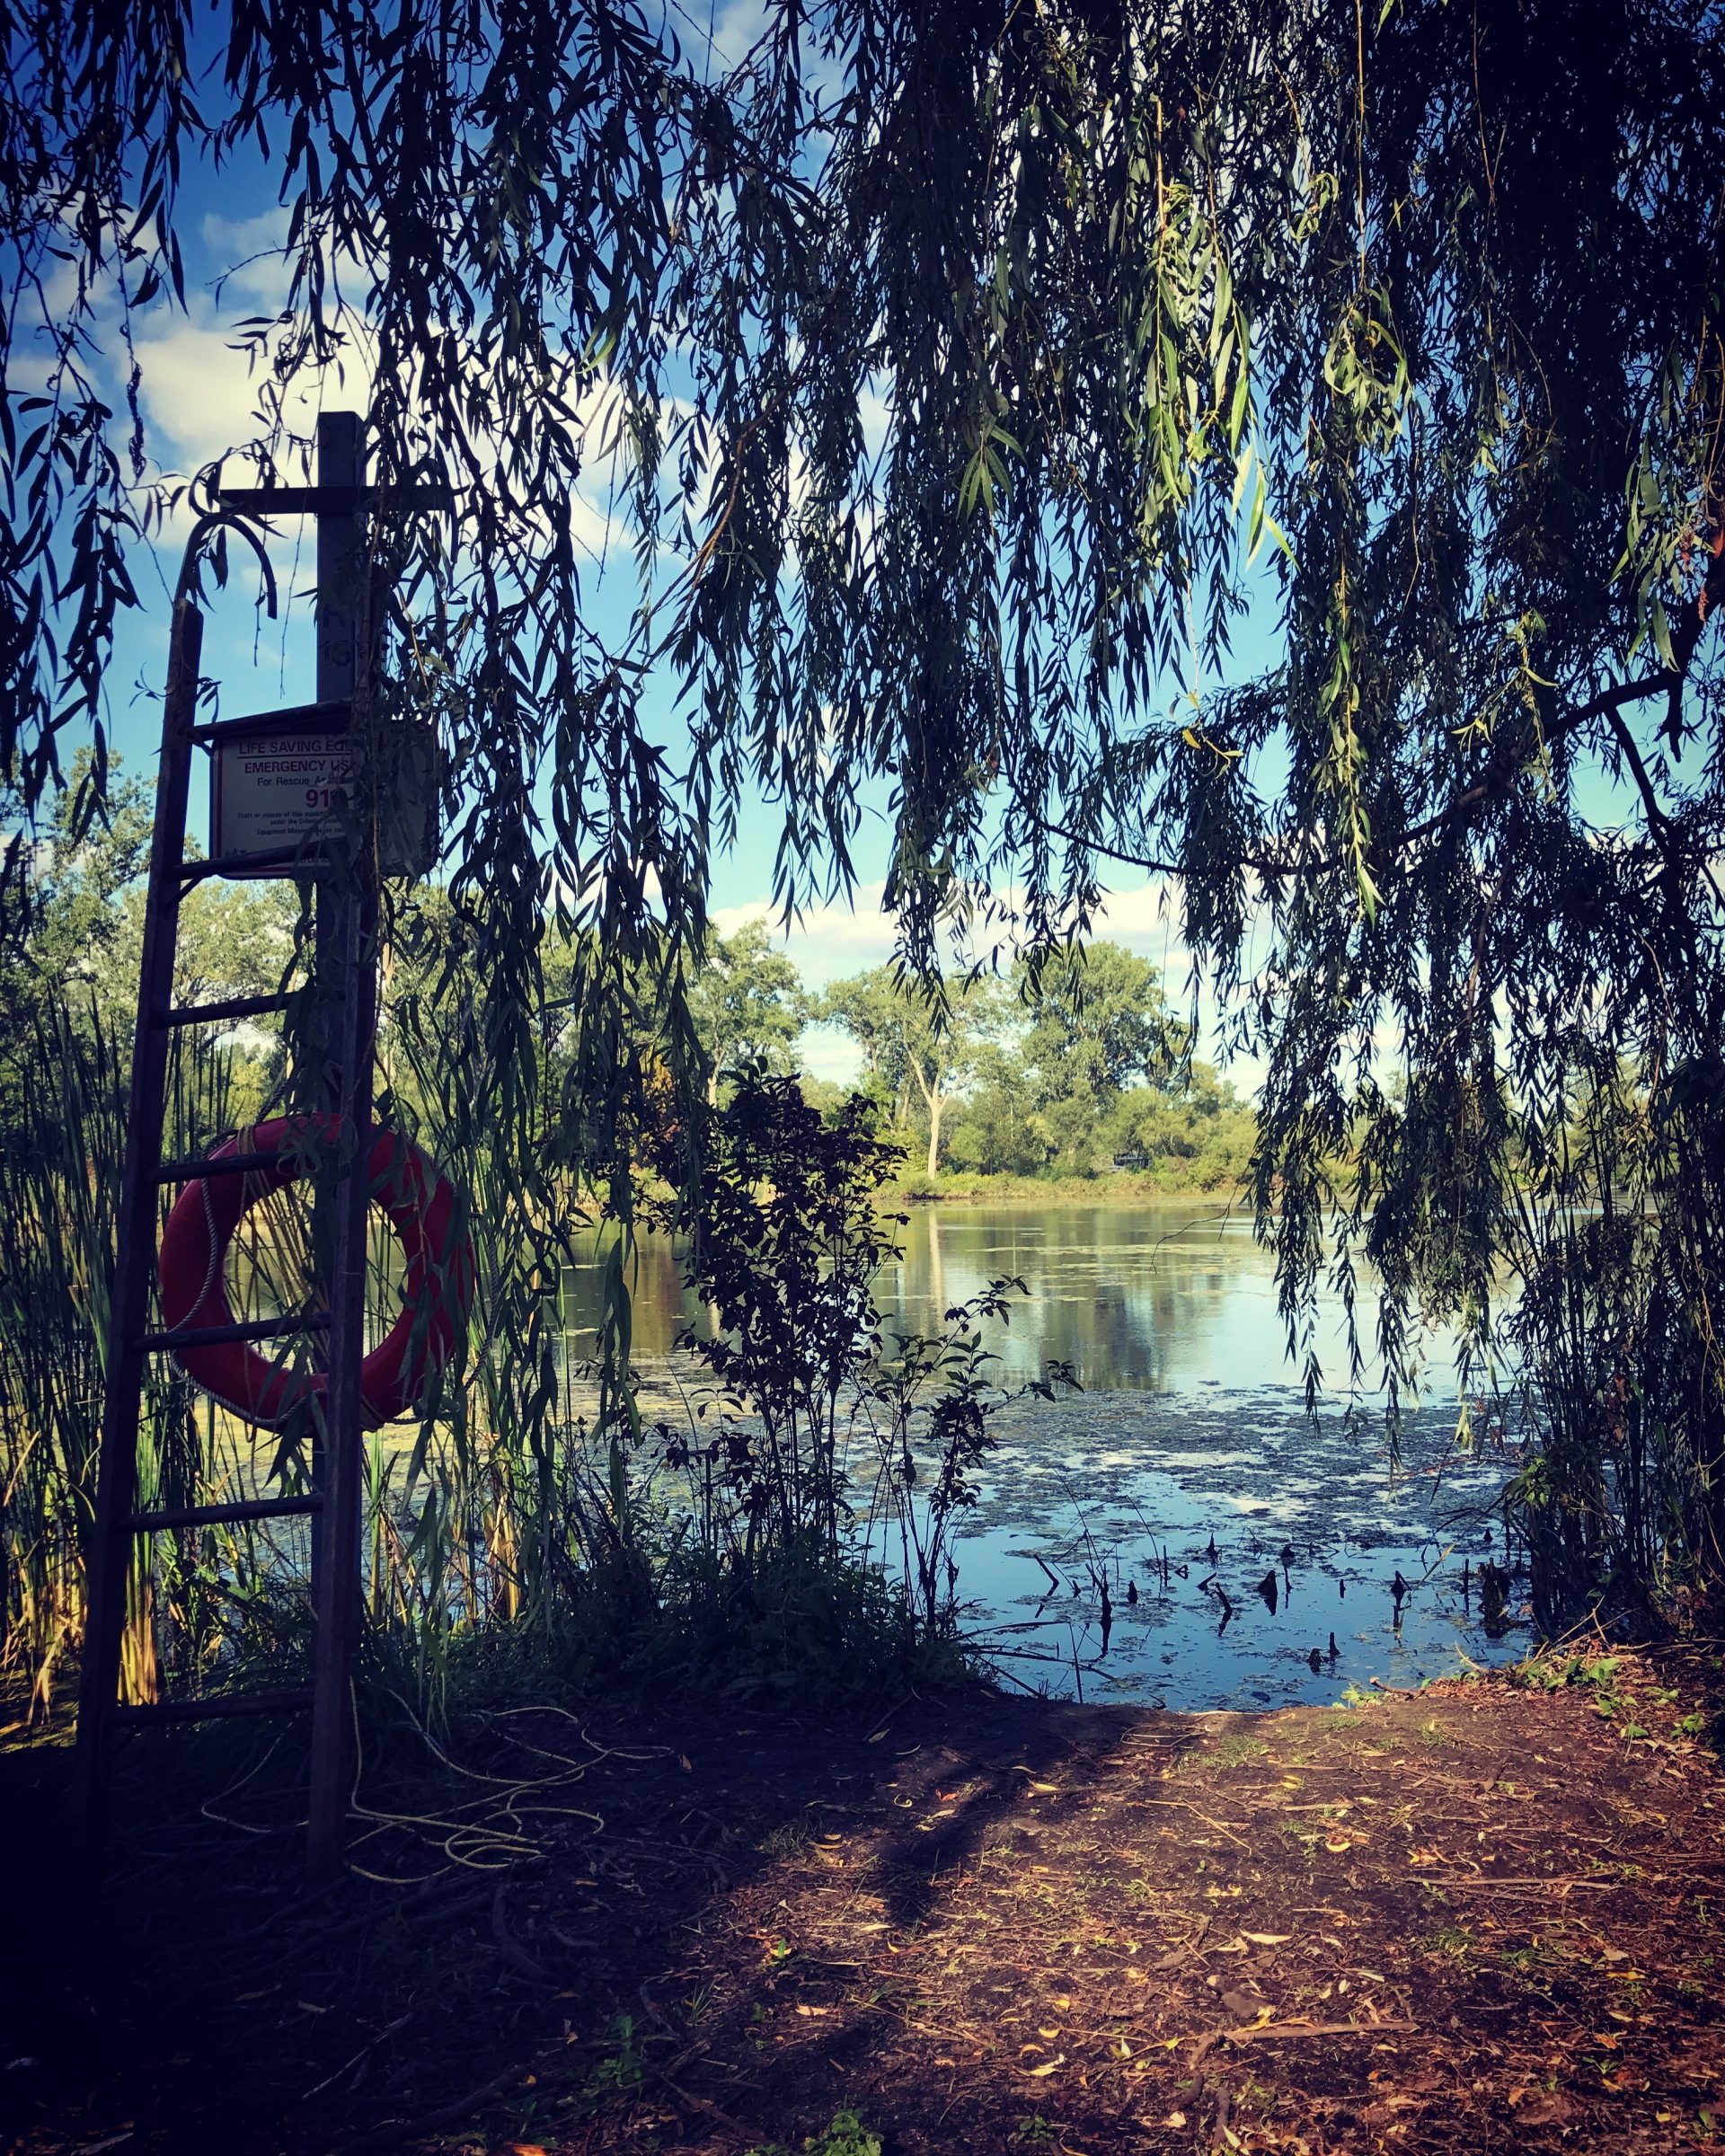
1479, 1917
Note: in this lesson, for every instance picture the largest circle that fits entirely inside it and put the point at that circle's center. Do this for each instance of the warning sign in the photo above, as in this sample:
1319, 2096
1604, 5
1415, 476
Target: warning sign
275, 790
269, 792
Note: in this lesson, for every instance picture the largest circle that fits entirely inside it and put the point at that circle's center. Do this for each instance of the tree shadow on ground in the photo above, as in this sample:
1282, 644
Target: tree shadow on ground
198, 1999
1477, 1915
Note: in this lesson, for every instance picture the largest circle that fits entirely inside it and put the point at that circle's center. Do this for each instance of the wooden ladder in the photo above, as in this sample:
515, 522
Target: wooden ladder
345, 1006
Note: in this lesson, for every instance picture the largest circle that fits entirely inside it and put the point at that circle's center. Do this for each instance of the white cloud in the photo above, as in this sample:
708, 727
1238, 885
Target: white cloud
250, 251
1141, 918
828, 940
874, 408
736, 29
826, 1053
831, 939
201, 400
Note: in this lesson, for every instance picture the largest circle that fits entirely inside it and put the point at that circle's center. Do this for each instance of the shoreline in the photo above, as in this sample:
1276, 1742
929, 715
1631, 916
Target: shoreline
1120, 1187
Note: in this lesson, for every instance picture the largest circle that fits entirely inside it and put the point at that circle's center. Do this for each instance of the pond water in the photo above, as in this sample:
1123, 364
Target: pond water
1183, 1531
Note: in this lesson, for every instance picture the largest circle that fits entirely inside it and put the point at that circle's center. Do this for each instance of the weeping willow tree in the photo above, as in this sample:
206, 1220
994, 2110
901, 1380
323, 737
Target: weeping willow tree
968, 377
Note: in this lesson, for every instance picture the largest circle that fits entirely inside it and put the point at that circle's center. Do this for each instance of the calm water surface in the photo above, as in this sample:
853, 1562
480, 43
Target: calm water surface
1087, 1567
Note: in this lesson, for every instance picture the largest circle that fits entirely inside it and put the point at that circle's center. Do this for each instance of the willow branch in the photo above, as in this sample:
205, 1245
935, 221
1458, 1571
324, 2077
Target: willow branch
1501, 773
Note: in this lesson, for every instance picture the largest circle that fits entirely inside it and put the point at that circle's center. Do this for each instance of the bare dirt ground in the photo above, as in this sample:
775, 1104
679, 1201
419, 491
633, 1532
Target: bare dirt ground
1484, 1916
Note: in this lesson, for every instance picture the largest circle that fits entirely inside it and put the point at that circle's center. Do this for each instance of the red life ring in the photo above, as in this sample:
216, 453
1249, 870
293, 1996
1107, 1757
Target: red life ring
440, 1282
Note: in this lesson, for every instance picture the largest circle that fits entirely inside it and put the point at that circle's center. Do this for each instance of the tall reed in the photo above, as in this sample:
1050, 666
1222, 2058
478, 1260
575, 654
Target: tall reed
1617, 1241
61, 1144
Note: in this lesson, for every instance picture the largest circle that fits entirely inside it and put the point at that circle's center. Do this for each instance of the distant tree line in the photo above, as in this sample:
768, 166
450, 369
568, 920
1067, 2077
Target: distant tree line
1064, 1070
1059, 1071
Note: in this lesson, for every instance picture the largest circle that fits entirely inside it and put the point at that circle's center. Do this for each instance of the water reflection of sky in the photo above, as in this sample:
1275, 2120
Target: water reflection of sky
1155, 1299
1191, 1434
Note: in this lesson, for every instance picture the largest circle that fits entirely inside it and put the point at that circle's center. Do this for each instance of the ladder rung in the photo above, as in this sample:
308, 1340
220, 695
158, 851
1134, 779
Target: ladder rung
224, 1703
236, 1006
221, 1163
297, 719
230, 1336
277, 861
223, 1515
278, 500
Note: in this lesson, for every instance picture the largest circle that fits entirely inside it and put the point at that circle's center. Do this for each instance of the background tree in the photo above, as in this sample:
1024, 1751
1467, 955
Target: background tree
921, 1050
62, 910
1094, 1067
1192, 1131
1098, 1023
78, 926
748, 1004
997, 1128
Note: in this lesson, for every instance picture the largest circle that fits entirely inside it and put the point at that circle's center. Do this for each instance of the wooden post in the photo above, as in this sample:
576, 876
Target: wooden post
109, 1547
338, 669
345, 999
341, 603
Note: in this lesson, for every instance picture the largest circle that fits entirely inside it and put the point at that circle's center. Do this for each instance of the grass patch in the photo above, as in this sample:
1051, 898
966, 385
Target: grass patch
1226, 1752
845, 2136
